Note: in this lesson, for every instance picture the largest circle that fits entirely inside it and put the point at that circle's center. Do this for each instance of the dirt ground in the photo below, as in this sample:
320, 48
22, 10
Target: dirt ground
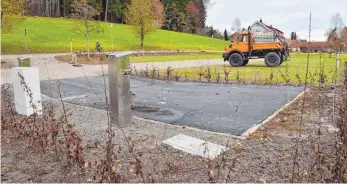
267, 156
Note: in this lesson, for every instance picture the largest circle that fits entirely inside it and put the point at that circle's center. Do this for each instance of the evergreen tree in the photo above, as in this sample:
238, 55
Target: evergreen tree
171, 17
226, 37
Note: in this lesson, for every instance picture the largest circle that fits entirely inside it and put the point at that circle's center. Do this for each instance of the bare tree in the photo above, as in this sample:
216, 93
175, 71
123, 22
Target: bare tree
236, 25
82, 10
50, 8
158, 12
336, 35
106, 10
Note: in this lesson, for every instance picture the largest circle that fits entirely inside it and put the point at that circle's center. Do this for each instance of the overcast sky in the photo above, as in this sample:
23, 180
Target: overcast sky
286, 15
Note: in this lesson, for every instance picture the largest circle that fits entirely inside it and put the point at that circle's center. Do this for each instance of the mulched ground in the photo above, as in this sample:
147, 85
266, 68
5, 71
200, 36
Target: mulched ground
95, 58
266, 157
6, 65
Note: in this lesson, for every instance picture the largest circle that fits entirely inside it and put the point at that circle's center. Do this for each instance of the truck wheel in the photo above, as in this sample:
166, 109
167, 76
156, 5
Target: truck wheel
282, 60
272, 59
236, 60
245, 62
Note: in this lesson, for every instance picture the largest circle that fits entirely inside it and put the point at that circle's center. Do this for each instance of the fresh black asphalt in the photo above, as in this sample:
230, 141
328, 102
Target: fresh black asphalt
215, 107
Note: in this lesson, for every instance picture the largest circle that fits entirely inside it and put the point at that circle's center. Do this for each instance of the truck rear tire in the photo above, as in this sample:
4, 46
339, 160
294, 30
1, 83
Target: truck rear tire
236, 60
272, 59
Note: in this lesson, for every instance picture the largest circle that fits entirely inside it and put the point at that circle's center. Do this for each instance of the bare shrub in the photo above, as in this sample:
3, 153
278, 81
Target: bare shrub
339, 169
185, 75
322, 74
271, 76
177, 76
299, 78
217, 74
226, 73
158, 74
153, 73
46, 132
200, 72
208, 74
285, 76
169, 71
146, 71
135, 71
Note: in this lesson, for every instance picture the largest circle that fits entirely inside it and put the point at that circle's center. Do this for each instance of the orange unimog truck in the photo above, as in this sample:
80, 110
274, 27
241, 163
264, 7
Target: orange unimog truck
244, 47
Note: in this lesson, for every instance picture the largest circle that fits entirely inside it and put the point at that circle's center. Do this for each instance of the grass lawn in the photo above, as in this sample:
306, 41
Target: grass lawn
290, 72
49, 35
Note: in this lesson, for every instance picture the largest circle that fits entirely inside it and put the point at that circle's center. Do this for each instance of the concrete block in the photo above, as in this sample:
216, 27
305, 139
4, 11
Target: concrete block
195, 146
21, 96
24, 61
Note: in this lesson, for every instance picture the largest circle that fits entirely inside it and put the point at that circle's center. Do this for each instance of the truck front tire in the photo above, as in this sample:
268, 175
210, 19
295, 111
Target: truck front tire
272, 59
245, 62
236, 60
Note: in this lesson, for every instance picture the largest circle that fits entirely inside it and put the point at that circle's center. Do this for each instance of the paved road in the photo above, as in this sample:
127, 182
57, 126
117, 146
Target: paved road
216, 107
53, 69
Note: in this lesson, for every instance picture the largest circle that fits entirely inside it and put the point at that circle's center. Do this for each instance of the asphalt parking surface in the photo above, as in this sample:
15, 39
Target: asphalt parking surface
215, 107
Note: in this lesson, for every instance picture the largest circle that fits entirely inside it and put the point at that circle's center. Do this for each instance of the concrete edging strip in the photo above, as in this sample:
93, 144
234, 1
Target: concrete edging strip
191, 128
158, 122
256, 127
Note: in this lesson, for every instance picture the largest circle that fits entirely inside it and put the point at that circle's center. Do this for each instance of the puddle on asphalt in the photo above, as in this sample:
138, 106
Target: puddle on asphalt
144, 108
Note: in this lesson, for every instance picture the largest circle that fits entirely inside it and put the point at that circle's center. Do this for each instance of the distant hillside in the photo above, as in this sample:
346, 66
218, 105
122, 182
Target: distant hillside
46, 35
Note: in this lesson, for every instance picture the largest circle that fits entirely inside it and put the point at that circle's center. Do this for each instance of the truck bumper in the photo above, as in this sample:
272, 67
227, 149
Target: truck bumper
225, 56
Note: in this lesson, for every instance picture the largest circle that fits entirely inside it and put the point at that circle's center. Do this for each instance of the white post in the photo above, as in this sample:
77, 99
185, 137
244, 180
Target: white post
27, 103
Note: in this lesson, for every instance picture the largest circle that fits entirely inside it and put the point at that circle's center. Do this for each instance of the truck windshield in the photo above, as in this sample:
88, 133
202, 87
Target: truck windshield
245, 38
239, 38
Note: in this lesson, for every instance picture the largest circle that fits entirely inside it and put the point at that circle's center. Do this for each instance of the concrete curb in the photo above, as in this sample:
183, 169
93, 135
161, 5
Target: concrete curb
256, 127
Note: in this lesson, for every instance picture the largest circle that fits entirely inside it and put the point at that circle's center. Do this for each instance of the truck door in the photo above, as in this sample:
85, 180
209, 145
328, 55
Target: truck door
243, 44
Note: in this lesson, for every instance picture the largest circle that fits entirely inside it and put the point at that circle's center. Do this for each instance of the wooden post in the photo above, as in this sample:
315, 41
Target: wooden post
71, 45
25, 35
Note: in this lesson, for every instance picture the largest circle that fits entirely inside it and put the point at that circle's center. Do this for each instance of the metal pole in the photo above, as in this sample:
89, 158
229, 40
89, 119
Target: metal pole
119, 88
